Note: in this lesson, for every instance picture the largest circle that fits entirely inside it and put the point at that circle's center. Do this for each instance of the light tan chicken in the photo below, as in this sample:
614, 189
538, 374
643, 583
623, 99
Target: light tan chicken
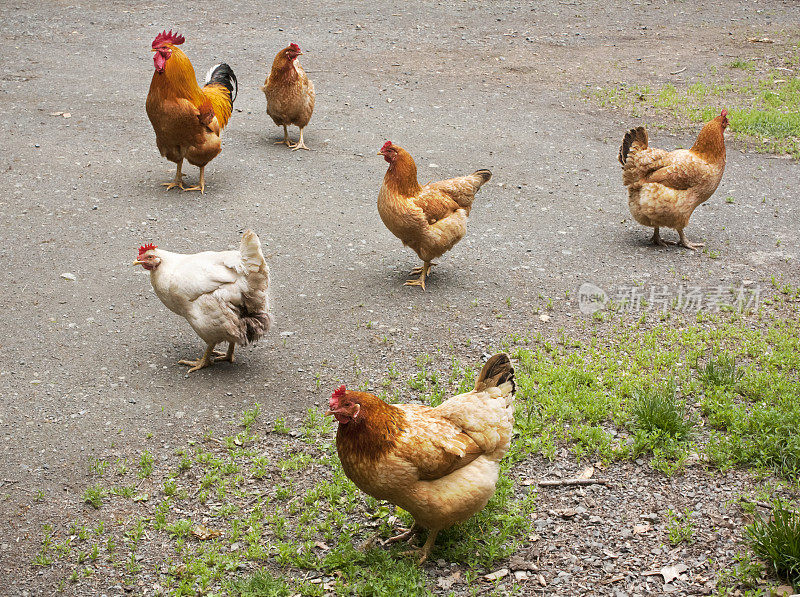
440, 464
290, 95
665, 187
430, 219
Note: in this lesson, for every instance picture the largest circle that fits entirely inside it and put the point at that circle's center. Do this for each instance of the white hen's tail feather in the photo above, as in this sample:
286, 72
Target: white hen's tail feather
255, 314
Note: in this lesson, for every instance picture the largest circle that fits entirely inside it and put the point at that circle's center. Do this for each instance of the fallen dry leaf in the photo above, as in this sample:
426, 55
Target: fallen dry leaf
638, 529
544, 317
446, 582
205, 533
564, 512
586, 473
670, 573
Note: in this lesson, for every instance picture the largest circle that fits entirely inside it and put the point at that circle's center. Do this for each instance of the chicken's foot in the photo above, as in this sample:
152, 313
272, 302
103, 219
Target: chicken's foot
685, 242
425, 551
225, 356
178, 182
406, 535
285, 141
657, 240
421, 280
418, 270
202, 185
299, 144
205, 361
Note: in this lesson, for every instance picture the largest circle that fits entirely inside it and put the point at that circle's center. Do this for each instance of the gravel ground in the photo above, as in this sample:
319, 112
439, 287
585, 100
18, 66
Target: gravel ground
89, 366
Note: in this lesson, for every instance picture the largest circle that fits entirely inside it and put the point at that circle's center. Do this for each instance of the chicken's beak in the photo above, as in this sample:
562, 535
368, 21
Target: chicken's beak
137, 262
380, 153
328, 412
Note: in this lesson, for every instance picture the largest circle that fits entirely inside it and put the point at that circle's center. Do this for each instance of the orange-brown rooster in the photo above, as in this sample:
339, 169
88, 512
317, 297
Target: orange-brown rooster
665, 187
290, 94
430, 219
187, 120
440, 464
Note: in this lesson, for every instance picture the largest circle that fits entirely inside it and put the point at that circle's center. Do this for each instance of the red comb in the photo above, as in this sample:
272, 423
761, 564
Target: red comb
339, 393
724, 113
294, 47
168, 38
145, 248
386, 145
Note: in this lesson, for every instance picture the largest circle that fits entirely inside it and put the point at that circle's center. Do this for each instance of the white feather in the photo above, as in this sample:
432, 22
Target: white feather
210, 72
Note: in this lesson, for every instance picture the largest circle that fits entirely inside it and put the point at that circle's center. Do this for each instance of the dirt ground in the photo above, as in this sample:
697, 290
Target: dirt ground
89, 366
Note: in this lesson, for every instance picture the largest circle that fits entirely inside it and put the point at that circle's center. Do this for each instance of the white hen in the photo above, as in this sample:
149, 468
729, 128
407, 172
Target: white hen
224, 295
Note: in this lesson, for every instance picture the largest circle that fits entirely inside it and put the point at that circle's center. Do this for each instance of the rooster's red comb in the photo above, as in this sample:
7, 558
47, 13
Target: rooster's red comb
724, 113
294, 47
339, 393
168, 38
145, 248
386, 145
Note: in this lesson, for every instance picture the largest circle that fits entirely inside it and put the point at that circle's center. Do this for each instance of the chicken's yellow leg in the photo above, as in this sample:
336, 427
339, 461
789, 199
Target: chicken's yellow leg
285, 138
202, 185
228, 356
205, 361
657, 240
685, 242
300, 144
421, 280
426, 549
178, 182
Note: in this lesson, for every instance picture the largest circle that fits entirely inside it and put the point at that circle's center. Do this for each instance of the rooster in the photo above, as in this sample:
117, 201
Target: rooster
290, 95
223, 295
430, 219
187, 120
665, 187
440, 464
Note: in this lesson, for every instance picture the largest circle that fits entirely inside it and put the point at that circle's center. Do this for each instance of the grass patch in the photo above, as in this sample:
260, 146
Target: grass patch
776, 540
763, 110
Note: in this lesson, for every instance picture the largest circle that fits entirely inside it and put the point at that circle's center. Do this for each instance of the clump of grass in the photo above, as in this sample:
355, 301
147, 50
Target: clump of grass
777, 541
146, 465
742, 64
94, 495
721, 372
680, 527
659, 417
261, 584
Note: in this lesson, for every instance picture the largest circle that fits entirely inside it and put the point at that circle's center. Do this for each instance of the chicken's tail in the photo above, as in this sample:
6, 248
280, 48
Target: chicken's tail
498, 372
221, 89
250, 248
255, 311
483, 177
634, 140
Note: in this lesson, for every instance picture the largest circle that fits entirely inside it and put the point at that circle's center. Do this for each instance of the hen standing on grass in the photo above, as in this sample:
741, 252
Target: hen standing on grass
665, 187
187, 120
430, 219
440, 464
290, 95
223, 295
